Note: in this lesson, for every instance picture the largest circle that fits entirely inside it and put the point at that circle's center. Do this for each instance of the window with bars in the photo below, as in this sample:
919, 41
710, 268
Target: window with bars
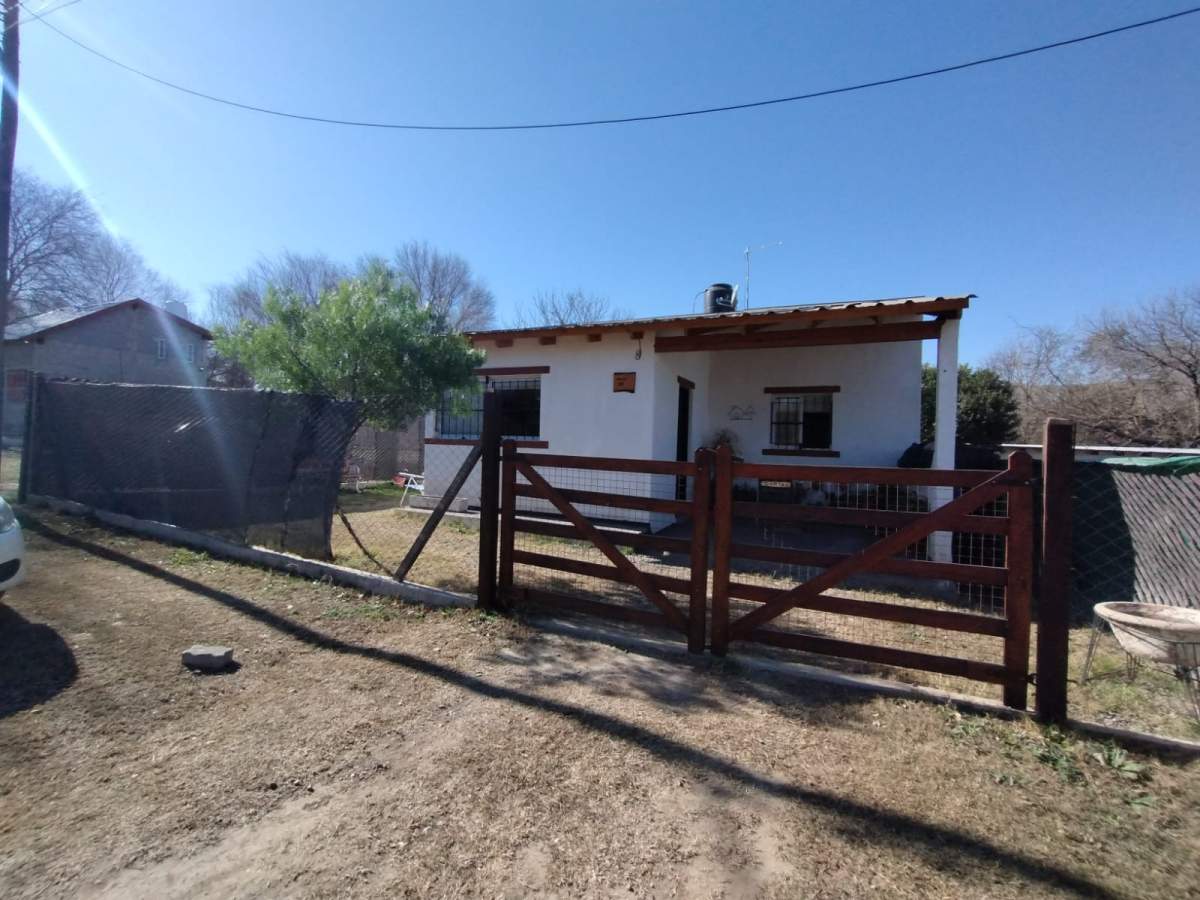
461, 413
802, 422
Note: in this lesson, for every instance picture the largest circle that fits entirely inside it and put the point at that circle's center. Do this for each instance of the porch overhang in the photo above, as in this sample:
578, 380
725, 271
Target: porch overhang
814, 325
881, 333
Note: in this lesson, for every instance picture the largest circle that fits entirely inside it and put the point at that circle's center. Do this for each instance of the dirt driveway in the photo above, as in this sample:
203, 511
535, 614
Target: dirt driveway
365, 749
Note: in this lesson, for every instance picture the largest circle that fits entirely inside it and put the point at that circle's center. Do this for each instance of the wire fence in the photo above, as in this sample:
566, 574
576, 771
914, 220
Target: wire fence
1135, 539
286, 472
377, 519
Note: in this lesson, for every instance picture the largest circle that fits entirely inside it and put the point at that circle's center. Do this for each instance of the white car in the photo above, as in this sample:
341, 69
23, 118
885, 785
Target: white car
12, 549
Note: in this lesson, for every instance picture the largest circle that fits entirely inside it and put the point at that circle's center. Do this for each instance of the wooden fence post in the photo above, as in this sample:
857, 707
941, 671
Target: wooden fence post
698, 607
439, 511
489, 501
508, 512
1054, 593
723, 543
1019, 595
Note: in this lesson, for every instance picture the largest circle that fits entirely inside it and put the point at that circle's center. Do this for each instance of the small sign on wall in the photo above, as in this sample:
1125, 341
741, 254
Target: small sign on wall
624, 382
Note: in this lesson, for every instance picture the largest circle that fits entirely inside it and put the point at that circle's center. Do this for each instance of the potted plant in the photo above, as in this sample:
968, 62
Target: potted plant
728, 437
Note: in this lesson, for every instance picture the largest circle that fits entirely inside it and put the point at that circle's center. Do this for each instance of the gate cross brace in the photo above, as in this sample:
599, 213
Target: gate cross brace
635, 575
938, 520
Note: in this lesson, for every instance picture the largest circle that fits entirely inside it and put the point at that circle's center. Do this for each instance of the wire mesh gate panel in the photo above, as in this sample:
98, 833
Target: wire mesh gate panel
935, 566
573, 535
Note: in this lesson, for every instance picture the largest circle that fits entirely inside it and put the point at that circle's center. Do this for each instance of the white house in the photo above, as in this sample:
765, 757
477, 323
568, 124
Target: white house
825, 384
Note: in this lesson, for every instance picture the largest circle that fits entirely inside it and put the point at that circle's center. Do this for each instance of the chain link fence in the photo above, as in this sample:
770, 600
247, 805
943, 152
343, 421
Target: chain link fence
287, 472
1135, 538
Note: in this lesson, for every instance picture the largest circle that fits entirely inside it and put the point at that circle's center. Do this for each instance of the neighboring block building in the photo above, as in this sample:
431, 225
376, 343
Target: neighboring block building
131, 342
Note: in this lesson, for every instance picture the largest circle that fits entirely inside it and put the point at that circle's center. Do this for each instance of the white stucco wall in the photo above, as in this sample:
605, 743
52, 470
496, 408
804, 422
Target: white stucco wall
581, 414
876, 414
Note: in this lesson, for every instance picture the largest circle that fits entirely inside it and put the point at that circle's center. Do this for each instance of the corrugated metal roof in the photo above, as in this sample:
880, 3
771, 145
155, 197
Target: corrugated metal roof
30, 326
893, 307
23, 329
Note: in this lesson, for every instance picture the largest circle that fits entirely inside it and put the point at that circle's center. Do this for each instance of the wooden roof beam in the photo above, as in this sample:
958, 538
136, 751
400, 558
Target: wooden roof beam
808, 337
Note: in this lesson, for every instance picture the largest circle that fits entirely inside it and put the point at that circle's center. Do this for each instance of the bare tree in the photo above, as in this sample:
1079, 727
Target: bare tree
571, 308
1126, 378
304, 275
62, 256
445, 283
1156, 347
53, 230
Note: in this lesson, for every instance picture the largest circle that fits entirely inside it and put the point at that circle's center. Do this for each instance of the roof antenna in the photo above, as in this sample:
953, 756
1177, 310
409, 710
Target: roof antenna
749, 250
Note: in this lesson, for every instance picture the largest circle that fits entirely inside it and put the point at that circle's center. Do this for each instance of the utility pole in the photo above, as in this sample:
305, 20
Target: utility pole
11, 62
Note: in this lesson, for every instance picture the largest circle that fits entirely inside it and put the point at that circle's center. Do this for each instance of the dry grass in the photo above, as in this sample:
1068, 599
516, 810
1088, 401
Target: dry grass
450, 559
1155, 701
10, 472
366, 749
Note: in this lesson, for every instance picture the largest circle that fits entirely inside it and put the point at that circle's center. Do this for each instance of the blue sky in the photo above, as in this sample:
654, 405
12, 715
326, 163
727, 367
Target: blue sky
1050, 186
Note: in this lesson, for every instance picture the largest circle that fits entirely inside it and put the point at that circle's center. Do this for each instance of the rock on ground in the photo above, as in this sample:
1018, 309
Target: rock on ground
208, 657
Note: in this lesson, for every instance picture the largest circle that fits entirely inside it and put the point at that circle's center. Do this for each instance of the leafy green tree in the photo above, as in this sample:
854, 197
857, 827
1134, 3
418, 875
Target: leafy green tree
369, 340
987, 406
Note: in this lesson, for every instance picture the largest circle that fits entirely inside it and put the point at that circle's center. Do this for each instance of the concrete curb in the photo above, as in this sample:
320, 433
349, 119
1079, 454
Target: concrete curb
1138, 740
260, 556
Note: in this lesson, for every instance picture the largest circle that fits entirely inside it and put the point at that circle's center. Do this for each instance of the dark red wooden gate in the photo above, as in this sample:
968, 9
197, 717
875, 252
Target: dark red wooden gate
521, 478
904, 528
712, 506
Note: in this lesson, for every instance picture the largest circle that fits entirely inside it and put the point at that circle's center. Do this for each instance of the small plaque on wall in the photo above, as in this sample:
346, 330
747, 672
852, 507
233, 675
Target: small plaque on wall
624, 382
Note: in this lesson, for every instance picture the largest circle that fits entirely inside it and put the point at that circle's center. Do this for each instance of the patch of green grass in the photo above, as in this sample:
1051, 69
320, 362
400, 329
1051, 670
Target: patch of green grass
963, 728
1113, 757
1076, 761
1060, 753
182, 556
385, 489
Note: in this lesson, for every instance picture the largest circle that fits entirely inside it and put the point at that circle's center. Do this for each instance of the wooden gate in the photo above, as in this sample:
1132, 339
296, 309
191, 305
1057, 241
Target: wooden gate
521, 480
996, 505
1012, 519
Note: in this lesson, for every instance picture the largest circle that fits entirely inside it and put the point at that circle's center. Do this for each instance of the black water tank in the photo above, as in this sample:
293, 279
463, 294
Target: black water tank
718, 298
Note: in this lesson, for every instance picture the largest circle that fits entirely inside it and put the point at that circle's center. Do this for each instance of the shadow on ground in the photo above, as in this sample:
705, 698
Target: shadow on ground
35, 663
873, 825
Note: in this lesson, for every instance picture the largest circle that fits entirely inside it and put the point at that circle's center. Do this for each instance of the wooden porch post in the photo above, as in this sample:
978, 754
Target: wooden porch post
945, 429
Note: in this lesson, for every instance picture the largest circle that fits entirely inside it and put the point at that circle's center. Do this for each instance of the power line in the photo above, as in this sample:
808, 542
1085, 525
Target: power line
623, 120
46, 12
